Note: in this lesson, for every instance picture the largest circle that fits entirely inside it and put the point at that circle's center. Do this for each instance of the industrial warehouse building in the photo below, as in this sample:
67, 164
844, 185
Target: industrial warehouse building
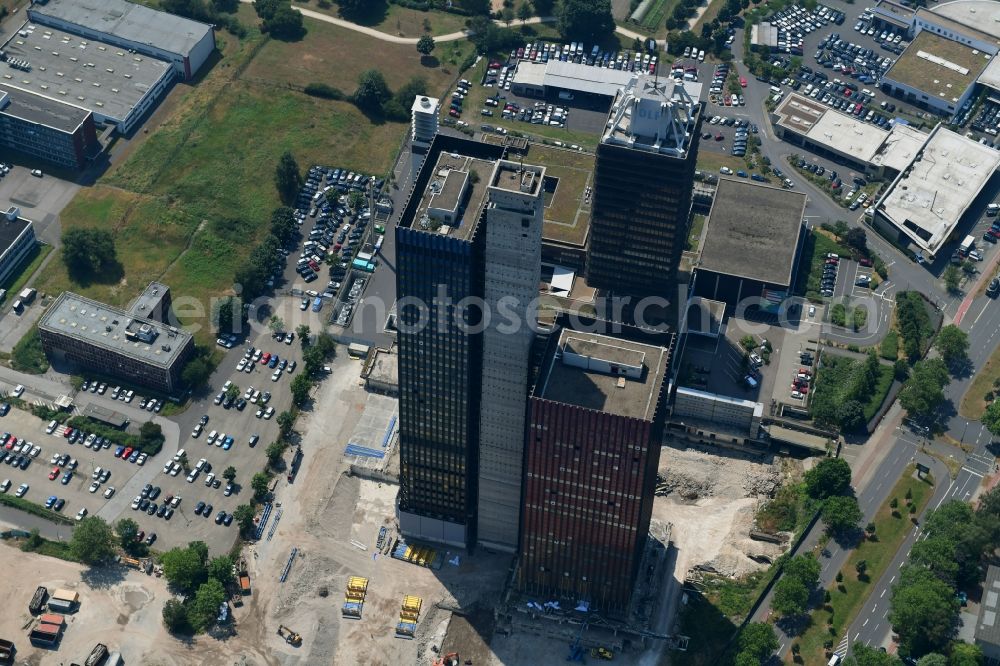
926, 202
117, 343
77, 70
753, 238
533, 79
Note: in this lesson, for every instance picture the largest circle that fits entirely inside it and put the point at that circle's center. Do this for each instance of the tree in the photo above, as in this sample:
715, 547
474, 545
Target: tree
970, 533
259, 484
991, 417
351, 8
276, 324
425, 45
356, 200
175, 617
243, 515
204, 607
286, 421
758, 639
924, 390
791, 596
229, 474
965, 654
127, 531
233, 391
863, 655
300, 387
283, 224
923, 610
227, 315
287, 177
151, 437
587, 20
274, 453
805, 568
87, 252
861, 567
303, 331
280, 20
951, 278
857, 238
841, 514
953, 344
372, 92
840, 229
543, 7
507, 16
524, 11
938, 555
196, 373
830, 476
933, 659
184, 568
851, 415
93, 541
221, 569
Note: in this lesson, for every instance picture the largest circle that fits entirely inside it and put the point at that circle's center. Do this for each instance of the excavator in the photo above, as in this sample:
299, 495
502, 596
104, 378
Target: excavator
450, 659
602, 653
290, 636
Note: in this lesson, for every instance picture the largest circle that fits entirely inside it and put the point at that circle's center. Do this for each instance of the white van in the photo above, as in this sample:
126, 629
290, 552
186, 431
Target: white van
51, 427
834, 660
776, 90
993, 209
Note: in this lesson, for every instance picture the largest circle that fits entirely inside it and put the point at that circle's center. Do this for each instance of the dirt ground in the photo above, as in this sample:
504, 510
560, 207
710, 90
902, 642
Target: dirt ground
711, 506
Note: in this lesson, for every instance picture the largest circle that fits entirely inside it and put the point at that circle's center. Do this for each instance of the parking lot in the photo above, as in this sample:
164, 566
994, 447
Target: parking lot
41, 199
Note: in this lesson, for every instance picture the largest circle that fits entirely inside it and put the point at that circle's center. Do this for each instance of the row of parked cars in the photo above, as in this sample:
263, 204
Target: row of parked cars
890, 39
351, 301
854, 60
794, 22
639, 61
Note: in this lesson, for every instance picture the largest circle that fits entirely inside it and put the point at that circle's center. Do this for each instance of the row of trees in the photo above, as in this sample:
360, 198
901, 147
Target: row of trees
217, 12
202, 582
279, 20
375, 99
914, 323
924, 607
840, 401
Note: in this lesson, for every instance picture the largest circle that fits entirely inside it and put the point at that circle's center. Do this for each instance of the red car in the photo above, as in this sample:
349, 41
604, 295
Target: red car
453, 113
68, 433
140, 536
719, 137
865, 262
805, 371
54, 473
126, 453
801, 388
265, 358
743, 82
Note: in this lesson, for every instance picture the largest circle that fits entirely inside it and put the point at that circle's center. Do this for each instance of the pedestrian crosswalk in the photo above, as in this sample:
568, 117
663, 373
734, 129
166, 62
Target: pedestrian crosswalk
843, 647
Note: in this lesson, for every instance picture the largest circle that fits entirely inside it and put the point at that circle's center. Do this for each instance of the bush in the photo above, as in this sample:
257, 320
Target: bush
914, 323
28, 355
323, 90
889, 348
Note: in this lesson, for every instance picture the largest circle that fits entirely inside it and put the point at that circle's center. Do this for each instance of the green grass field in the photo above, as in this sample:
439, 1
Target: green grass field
399, 21
974, 401
844, 606
195, 195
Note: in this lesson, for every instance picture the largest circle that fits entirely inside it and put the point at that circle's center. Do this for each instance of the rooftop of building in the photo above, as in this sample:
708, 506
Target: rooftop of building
148, 301
991, 75
705, 316
902, 13
655, 115
987, 626
979, 18
41, 110
515, 177
940, 67
567, 206
837, 131
899, 147
129, 21
530, 73
114, 329
753, 231
86, 73
424, 104
10, 230
454, 187
798, 438
383, 368
583, 78
591, 387
928, 198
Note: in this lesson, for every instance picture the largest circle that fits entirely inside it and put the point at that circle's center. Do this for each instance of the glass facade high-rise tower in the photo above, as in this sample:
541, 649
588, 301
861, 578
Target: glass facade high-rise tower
643, 182
470, 234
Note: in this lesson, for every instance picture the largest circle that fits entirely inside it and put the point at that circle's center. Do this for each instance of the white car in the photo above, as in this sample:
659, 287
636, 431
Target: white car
269, 412
94, 486
109, 492
169, 466
179, 454
141, 460
276, 375
196, 431
209, 479
725, 171
21, 490
241, 365
136, 502
176, 470
18, 390
81, 514
201, 463
192, 476
797, 395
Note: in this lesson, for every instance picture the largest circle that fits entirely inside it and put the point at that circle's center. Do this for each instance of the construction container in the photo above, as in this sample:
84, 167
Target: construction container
408, 616
406, 629
52, 618
352, 609
66, 595
38, 599
412, 604
358, 584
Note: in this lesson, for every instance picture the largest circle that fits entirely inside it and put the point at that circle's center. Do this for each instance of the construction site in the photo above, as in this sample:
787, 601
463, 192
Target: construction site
330, 581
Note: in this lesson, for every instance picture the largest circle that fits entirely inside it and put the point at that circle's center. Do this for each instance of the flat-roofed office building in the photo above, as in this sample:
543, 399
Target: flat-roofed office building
595, 418
105, 339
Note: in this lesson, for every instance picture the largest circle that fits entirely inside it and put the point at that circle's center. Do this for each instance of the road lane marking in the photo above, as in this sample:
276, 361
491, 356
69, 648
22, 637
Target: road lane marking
882, 595
986, 305
865, 623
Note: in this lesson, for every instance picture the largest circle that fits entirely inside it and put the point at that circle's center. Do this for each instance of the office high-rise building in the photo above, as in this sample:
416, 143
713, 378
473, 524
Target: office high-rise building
595, 418
643, 182
513, 254
470, 233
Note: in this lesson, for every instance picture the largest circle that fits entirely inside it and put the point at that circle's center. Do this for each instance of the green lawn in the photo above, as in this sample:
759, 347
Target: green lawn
655, 20
567, 214
836, 381
193, 198
28, 355
397, 20
974, 401
844, 606
694, 235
